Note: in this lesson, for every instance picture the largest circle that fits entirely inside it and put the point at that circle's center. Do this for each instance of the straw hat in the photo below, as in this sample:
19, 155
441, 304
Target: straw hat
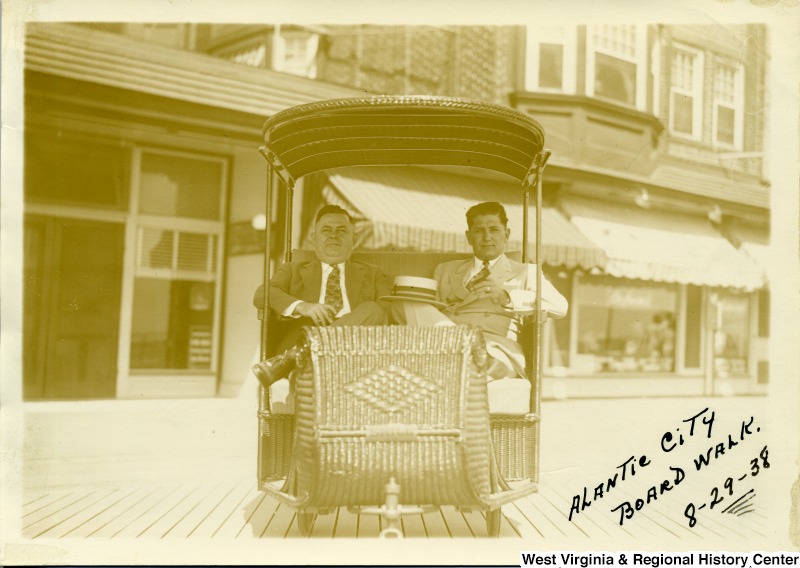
415, 289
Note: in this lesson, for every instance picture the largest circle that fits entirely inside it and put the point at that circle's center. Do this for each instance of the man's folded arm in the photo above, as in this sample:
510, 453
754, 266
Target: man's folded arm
279, 298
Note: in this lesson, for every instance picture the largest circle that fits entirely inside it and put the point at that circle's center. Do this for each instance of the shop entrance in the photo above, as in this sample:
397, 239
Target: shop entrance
71, 301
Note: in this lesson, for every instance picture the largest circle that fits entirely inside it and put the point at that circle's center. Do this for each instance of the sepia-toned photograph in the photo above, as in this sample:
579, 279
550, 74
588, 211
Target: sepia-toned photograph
501, 287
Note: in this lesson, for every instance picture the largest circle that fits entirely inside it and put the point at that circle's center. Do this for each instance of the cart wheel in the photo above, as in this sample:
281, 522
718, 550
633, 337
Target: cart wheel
493, 522
305, 521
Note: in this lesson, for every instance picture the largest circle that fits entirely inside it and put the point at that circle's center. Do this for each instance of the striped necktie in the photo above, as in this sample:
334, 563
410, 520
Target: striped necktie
333, 289
482, 274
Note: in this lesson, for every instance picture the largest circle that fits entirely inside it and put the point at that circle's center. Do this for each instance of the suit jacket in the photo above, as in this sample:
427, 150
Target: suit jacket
302, 281
466, 307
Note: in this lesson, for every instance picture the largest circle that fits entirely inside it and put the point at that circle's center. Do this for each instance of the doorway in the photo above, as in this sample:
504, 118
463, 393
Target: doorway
71, 303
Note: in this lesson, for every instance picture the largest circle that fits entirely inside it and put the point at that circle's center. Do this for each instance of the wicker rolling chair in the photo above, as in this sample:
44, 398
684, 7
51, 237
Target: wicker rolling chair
393, 408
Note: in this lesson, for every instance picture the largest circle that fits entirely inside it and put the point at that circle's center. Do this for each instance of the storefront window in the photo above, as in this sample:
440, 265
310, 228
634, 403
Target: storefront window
172, 324
178, 238
731, 333
626, 327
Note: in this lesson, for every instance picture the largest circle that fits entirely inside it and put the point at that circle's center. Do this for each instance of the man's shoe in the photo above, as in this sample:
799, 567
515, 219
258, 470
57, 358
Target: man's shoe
276, 368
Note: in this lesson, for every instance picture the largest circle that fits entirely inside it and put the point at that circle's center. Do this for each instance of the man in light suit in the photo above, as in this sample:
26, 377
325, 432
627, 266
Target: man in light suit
331, 290
487, 290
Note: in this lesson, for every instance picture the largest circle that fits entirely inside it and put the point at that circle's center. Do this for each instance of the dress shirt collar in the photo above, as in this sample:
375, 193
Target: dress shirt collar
326, 268
477, 264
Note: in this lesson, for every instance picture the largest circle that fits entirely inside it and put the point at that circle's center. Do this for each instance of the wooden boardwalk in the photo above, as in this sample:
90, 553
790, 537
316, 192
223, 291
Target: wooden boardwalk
195, 487
237, 510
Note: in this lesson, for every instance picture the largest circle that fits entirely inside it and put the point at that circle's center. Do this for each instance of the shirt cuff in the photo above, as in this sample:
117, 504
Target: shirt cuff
289, 311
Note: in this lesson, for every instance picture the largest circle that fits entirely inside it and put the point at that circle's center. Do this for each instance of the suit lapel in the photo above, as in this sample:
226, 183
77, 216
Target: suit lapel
311, 274
353, 280
502, 269
457, 288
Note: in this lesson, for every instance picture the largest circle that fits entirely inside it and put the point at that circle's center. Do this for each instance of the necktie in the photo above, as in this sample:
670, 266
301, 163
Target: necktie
333, 289
482, 274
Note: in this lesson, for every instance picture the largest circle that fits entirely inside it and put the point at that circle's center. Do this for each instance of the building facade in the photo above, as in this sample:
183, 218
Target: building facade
142, 179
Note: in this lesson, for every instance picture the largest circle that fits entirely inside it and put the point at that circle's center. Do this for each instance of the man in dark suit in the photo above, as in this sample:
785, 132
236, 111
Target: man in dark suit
332, 290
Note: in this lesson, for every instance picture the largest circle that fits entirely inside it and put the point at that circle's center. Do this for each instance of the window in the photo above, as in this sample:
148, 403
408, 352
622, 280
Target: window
686, 93
728, 106
75, 172
627, 327
551, 59
615, 67
295, 52
178, 245
731, 333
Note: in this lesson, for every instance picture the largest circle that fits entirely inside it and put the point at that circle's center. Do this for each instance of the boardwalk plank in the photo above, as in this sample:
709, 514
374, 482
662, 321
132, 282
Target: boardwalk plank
123, 502
257, 516
283, 524
229, 504
506, 528
413, 527
35, 501
66, 514
325, 525
145, 500
476, 522
457, 525
236, 520
157, 510
161, 526
45, 509
667, 526
56, 511
434, 524
185, 518
558, 517
594, 520
346, 524
81, 522
369, 526
545, 526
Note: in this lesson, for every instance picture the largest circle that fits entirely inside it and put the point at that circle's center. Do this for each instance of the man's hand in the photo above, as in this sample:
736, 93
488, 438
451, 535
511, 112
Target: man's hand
492, 289
320, 314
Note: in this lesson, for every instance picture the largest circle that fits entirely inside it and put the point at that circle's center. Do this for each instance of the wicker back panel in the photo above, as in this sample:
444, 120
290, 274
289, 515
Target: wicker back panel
391, 401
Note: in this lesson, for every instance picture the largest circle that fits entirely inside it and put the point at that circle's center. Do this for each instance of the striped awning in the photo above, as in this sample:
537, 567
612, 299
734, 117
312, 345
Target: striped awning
407, 208
664, 247
754, 241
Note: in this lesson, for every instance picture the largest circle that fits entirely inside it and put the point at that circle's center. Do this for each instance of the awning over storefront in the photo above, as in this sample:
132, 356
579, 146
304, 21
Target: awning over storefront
663, 247
424, 209
754, 241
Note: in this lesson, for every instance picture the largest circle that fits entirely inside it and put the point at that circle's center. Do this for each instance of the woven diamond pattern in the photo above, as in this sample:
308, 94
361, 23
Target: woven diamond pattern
392, 389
